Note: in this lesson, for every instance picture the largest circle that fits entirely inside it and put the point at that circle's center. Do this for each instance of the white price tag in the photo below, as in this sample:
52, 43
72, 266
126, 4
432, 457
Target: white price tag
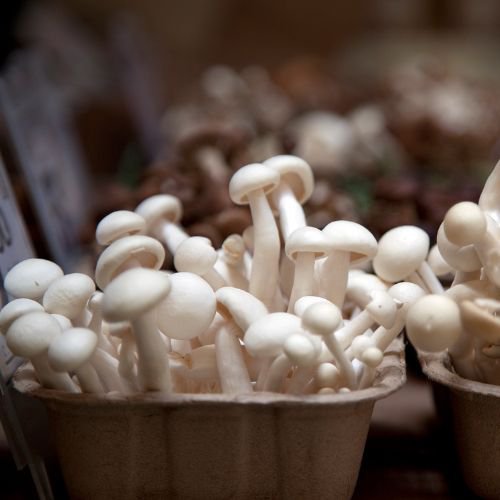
15, 246
47, 154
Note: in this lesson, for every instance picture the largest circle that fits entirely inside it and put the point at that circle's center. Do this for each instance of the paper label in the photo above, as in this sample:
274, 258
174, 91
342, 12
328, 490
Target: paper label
47, 154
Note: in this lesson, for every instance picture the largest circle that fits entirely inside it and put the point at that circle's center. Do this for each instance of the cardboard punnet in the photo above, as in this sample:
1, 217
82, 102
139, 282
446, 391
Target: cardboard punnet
213, 446
474, 410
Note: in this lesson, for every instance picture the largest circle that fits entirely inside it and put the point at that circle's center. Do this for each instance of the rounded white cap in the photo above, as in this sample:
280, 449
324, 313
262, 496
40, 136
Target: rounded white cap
159, 208
15, 309
296, 172
72, 349
300, 350
436, 262
31, 334
144, 250
382, 308
265, 337
30, 278
189, 308
322, 318
253, 177
464, 223
118, 224
69, 295
400, 252
134, 293
305, 301
195, 255
433, 323
347, 236
460, 258
307, 239
406, 292
240, 306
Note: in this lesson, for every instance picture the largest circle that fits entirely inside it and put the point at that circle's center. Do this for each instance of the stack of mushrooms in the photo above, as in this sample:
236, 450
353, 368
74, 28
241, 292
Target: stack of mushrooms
283, 307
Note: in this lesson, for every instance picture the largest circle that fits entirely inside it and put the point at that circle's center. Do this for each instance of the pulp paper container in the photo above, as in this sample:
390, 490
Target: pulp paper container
474, 411
196, 446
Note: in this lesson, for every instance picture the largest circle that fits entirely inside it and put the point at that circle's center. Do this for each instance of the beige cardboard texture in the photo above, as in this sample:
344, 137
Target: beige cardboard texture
195, 446
474, 408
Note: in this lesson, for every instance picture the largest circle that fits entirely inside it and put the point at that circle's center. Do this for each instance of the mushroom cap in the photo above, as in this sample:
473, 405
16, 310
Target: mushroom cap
406, 292
400, 252
359, 345
189, 308
372, 356
159, 208
300, 350
148, 252
240, 306
305, 301
31, 334
265, 337
296, 172
253, 177
382, 308
15, 309
234, 248
72, 349
471, 290
195, 255
464, 223
95, 301
134, 293
347, 236
69, 295
118, 224
307, 239
322, 318
463, 258
30, 278
360, 284
437, 263
64, 322
479, 321
433, 323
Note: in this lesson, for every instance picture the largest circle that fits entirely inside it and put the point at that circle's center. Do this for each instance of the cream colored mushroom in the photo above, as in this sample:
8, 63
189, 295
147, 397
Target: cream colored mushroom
118, 224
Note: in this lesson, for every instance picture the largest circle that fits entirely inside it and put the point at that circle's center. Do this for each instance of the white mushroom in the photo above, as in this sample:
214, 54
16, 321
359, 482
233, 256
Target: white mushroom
117, 225
351, 244
197, 255
231, 262
433, 323
15, 309
250, 185
304, 246
189, 308
323, 319
402, 254
71, 352
162, 213
295, 188
127, 253
29, 336
30, 278
134, 296
68, 296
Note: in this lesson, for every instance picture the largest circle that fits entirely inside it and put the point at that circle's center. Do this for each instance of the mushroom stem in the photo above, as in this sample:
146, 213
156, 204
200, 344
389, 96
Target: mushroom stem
265, 263
300, 378
88, 379
355, 327
233, 373
333, 279
303, 281
429, 278
343, 364
173, 236
290, 210
153, 369
107, 369
51, 379
276, 373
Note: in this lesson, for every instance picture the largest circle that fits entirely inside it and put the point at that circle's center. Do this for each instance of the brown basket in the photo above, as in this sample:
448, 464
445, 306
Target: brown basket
213, 446
474, 410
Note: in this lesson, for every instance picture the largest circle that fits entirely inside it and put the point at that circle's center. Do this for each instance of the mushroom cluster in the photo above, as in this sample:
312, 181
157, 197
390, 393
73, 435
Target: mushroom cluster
282, 307
464, 319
